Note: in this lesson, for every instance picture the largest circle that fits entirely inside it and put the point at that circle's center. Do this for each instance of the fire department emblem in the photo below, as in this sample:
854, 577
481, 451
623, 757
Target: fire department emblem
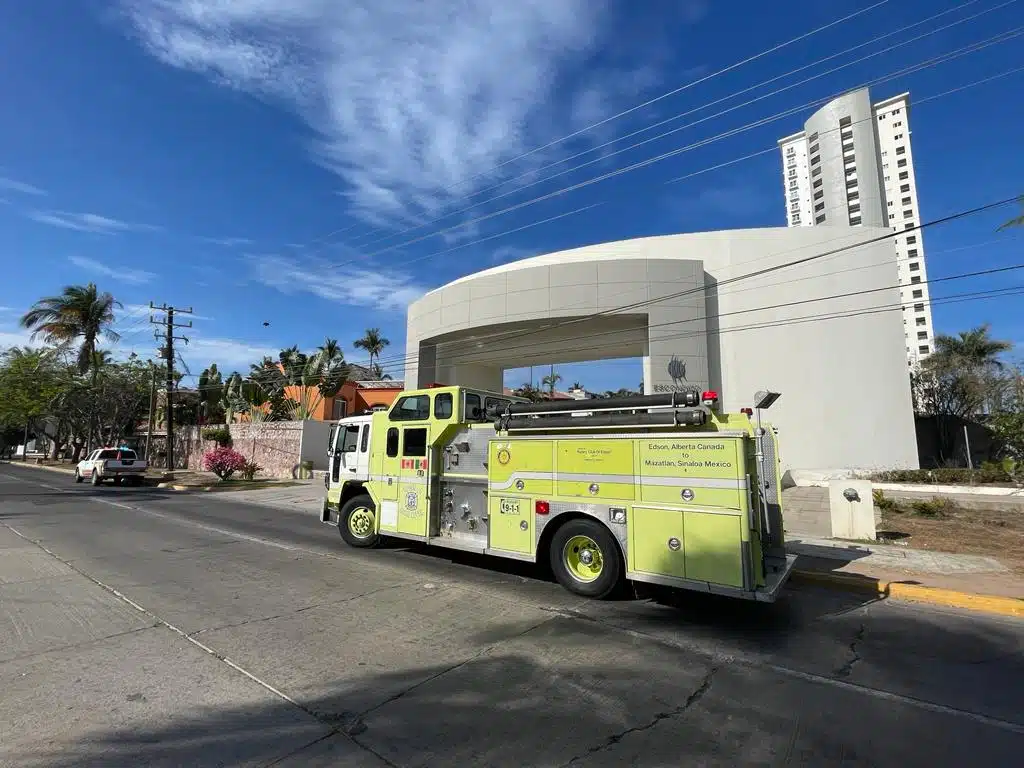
504, 456
411, 500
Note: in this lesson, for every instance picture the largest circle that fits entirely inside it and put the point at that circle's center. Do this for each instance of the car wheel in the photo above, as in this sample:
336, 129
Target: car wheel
585, 558
96, 479
78, 475
357, 522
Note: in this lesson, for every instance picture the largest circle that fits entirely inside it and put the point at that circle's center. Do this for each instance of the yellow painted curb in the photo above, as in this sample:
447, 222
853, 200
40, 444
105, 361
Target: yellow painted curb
995, 604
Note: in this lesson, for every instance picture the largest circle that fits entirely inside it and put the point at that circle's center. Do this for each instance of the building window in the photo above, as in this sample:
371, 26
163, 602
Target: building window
819, 219
920, 321
889, 203
909, 226
918, 295
815, 159
902, 163
792, 184
897, 124
819, 194
790, 151
854, 221
813, 149
845, 121
855, 208
338, 408
923, 349
918, 307
816, 172
912, 253
898, 136
908, 214
886, 178
922, 335
911, 239
904, 175
853, 195
915, 279
817, 183
812, 138
792, 173
906, 201
901, 150
904, 187
892, 216
851, 184
915, 266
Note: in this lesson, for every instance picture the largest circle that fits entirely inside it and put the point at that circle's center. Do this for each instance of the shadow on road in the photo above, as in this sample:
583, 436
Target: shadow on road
568, 692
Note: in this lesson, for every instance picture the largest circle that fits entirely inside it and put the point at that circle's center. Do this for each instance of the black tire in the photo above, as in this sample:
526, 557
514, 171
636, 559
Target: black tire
78, 476
96, 479
358, 505
610, 575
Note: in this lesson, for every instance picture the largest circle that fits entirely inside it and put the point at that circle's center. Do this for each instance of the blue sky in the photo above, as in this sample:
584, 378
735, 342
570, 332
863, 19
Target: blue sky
270, 160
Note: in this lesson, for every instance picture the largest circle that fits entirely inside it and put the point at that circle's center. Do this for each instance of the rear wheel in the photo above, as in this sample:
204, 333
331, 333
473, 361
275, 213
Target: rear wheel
96, 479
357, 522
585, 559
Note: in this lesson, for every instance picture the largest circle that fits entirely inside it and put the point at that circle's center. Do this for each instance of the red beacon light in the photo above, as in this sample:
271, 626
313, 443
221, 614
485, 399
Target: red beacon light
542, 507
709, 398
748, 411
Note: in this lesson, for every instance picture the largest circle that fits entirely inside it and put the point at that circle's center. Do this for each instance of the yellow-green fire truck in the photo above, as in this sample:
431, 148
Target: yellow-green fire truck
652, 488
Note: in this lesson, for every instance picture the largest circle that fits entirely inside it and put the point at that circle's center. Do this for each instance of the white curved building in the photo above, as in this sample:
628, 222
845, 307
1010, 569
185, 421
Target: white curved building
827, 334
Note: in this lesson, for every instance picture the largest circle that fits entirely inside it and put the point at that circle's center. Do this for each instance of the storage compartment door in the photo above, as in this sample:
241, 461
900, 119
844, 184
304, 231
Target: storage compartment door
656, 542
713, 543
511, 523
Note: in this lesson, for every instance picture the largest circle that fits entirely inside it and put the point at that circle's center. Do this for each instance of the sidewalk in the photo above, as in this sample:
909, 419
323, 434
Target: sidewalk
952, 579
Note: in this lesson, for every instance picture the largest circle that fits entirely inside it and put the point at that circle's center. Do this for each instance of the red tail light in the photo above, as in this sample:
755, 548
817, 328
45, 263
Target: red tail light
710, 395
542, 507
748, 411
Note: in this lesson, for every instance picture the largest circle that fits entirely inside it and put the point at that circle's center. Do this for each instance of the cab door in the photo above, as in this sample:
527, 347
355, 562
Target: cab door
386, 465
413, 481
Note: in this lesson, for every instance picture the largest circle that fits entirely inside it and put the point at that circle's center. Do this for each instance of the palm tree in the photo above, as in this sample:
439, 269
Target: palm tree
550, 381
974, 351
1017, 221
211, 393
79, 313
373, 344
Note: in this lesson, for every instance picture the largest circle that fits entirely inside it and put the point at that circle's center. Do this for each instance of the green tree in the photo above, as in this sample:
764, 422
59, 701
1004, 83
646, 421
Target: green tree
30, 381
529, 392
81, 314
373, 343
211, 395
550, 381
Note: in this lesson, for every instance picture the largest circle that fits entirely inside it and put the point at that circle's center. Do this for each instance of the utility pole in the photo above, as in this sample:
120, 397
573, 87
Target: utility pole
167, 352
152, 407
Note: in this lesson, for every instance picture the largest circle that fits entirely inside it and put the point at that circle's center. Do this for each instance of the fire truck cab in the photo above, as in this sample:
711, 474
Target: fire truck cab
654, 488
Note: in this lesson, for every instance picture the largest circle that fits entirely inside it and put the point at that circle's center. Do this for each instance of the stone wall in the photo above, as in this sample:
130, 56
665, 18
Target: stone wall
275, 446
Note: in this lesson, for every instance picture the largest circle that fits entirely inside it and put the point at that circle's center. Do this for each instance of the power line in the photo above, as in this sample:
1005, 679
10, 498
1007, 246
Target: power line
934, 61
701, 120
756, 273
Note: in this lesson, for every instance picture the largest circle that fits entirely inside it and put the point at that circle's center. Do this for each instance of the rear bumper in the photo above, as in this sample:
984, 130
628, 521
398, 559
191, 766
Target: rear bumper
123, 471
775, 579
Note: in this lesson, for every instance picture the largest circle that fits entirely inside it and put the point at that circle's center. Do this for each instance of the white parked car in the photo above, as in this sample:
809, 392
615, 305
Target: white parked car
117, 464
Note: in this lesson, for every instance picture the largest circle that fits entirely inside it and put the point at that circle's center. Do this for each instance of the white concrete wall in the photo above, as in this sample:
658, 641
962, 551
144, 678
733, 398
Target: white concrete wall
846, 391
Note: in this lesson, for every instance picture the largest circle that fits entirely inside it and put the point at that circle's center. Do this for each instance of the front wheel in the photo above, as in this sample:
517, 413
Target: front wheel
357, 522
585, 559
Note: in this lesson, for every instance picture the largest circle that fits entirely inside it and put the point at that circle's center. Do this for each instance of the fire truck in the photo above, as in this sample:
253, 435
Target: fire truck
659, 488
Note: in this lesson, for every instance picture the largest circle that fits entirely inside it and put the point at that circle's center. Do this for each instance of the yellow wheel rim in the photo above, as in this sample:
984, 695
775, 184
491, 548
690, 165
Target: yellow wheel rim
361, 522
583, 558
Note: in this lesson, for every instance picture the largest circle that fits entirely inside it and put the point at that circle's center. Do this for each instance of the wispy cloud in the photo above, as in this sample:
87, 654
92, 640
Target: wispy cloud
88, 222
123, 274
14, 185
227, 242
380, 289
228, 354
413, 103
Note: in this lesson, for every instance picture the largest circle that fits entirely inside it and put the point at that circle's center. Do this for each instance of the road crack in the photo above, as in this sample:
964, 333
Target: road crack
692, 699
858, 638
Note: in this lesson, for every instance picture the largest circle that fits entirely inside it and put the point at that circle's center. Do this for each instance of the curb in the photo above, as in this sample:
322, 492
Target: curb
948, 598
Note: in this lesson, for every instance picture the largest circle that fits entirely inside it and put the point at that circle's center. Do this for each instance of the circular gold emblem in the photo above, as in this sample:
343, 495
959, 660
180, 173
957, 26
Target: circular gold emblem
504, 457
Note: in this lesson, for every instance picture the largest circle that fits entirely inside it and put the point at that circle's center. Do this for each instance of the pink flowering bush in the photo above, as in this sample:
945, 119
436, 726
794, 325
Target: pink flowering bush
223, 462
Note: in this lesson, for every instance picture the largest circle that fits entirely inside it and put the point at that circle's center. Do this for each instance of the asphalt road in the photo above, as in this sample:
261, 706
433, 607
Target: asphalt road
139, 627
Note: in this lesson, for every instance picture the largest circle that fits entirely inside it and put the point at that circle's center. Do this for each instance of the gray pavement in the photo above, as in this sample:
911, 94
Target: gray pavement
142, 627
